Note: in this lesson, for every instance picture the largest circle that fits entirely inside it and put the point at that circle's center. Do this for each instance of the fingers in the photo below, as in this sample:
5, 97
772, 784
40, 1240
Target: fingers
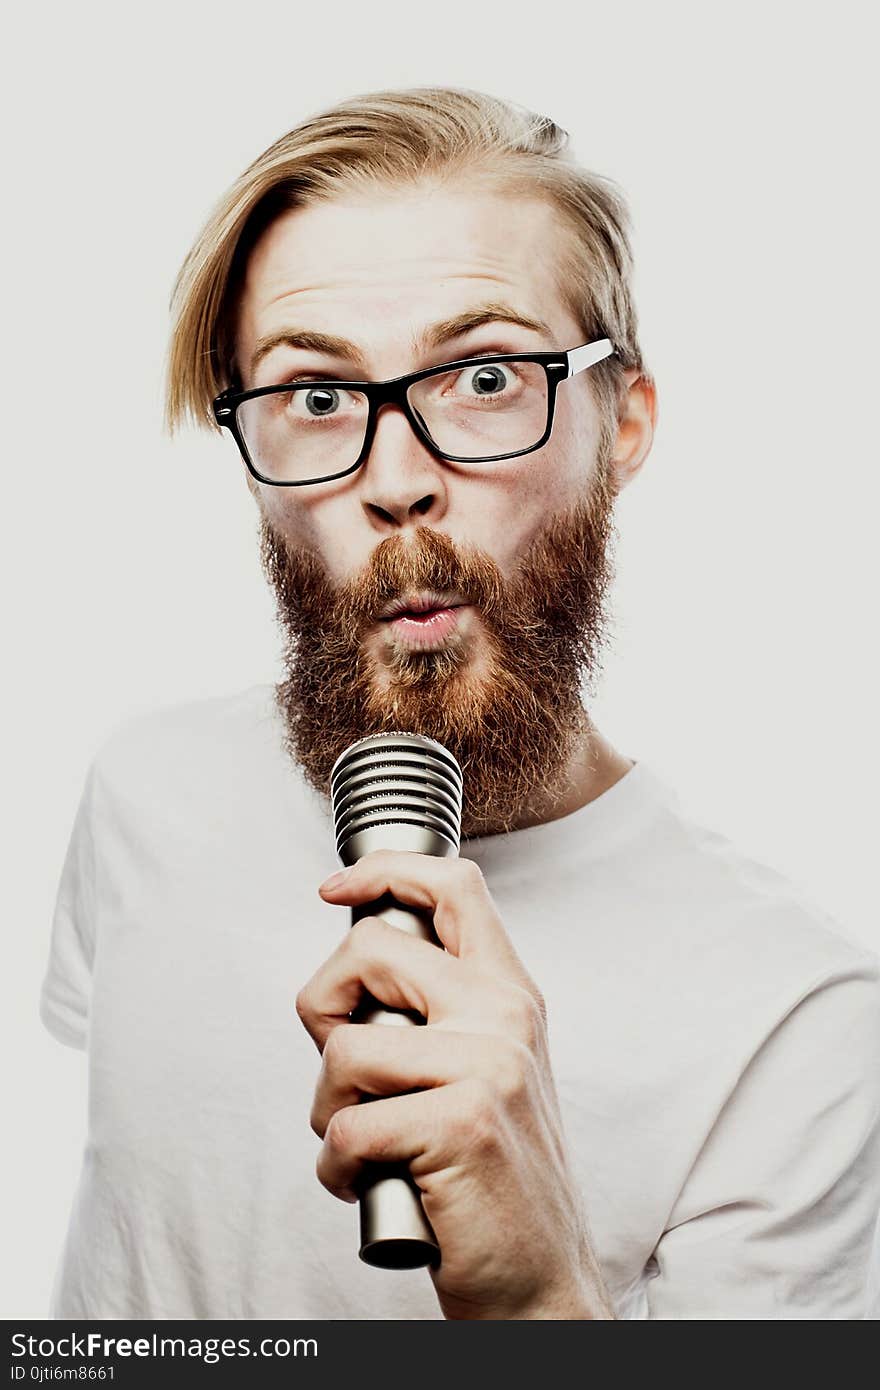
430, 1131
453, 890
365, 1059
406, 972
443, 1090
401, 971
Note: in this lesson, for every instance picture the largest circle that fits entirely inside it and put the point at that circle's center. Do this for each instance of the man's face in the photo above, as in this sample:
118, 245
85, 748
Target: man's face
522, 542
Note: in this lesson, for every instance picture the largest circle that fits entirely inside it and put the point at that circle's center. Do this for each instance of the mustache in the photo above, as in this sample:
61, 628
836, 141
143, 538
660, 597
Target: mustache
556, 580
429, 561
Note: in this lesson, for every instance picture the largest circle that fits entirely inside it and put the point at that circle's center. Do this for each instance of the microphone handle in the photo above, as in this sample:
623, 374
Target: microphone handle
395, 1233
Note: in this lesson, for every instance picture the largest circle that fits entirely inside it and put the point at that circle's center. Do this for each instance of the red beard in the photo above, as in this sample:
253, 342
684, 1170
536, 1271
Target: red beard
505, 699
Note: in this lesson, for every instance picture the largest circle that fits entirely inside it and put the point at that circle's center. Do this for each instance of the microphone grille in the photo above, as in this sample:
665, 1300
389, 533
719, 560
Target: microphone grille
396, 779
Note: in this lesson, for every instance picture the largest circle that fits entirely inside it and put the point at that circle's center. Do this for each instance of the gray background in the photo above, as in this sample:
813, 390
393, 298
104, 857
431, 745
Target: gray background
744, 669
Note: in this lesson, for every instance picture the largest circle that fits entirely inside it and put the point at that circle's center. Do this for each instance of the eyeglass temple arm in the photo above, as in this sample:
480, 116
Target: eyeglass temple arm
588, 355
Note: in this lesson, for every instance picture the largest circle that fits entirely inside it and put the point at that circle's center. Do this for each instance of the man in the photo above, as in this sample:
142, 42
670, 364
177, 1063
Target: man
647, 1084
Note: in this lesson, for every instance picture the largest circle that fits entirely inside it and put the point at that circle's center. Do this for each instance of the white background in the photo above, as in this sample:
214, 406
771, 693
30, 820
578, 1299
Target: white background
744, 668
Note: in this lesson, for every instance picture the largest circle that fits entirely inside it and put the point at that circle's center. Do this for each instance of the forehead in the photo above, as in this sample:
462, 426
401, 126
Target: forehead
376, 265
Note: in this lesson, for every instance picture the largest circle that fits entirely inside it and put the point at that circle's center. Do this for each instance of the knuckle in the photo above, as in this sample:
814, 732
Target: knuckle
477, 1122
304, 1002
361, 937
514, 1070
339, 1134
470, 873
337, 1054
527, 1014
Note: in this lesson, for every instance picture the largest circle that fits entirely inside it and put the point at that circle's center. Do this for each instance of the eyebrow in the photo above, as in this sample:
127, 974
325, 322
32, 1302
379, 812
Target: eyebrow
434, 336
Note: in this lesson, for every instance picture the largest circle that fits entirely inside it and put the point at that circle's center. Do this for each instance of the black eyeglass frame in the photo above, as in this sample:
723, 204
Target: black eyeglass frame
558, 366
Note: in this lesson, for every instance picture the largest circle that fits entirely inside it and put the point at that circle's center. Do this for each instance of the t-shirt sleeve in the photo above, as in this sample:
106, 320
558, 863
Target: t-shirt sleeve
64, 1000
778, 1215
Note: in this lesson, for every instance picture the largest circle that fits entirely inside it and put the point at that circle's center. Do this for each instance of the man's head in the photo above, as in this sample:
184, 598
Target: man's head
374, 223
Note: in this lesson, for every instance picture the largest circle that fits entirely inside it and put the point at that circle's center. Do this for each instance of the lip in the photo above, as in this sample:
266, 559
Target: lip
432, 630
428, 600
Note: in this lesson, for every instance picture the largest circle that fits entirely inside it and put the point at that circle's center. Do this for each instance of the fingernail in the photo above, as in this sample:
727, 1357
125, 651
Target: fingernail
334, 881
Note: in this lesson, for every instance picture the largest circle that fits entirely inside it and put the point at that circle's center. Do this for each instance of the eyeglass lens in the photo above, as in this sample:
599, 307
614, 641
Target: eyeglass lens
475, 413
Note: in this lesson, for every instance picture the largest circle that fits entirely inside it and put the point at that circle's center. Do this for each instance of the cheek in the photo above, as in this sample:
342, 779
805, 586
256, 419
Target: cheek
307, 526
505, 529
548, 481
575, 440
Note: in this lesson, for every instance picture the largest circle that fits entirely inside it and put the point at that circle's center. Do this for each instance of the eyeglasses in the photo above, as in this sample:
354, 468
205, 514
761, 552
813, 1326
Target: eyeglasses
477, 410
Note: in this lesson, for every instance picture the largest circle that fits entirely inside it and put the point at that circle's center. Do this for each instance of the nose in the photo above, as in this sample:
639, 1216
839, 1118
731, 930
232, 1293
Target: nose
401, 481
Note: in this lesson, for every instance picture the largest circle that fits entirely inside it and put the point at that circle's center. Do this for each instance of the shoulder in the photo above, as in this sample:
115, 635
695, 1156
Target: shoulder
183, 721
196, 763
203, 779
187, 737
749, 936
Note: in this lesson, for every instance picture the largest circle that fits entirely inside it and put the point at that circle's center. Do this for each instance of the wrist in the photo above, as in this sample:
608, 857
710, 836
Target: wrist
573, 1306
582, 1297
571, 1303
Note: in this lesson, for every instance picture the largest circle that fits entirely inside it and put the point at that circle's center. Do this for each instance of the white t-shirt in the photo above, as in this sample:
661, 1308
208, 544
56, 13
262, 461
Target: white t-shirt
715, 1042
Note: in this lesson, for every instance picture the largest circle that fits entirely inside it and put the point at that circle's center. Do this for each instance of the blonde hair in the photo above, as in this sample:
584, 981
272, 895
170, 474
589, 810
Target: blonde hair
399, 138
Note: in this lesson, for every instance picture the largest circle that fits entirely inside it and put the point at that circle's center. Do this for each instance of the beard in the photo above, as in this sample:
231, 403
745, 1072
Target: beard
504, 698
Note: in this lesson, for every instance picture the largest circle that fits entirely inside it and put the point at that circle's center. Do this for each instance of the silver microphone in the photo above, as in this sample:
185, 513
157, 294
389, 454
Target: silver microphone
395, 791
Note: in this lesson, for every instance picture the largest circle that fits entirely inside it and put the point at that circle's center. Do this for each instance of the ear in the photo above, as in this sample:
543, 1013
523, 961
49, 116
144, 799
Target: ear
635, 432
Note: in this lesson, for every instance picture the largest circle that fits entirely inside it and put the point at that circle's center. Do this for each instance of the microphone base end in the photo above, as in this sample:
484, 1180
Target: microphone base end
400, 1254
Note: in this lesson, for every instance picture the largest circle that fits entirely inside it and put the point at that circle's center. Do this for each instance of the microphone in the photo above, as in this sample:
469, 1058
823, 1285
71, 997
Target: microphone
395, 791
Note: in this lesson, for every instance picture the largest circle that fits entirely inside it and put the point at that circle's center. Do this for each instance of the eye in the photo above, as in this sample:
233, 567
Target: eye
491, 383
312, 403
319, 400
488, 380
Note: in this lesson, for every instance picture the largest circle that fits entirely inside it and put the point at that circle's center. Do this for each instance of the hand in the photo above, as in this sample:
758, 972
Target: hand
468, 1100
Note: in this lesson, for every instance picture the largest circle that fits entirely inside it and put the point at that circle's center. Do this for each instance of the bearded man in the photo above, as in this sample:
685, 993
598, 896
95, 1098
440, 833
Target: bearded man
646, 1086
